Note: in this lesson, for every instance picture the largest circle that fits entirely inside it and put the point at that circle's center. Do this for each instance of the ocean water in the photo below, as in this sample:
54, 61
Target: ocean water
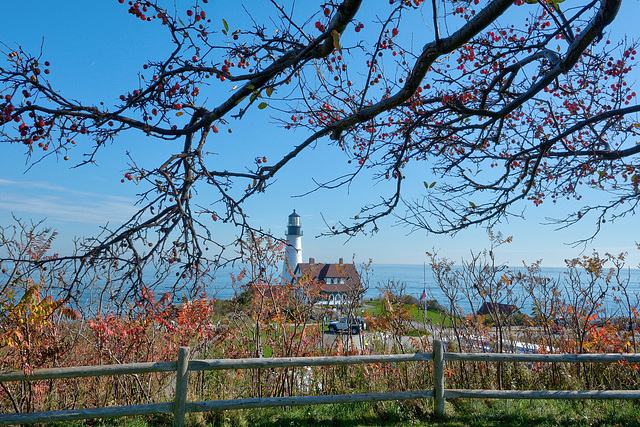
414, 279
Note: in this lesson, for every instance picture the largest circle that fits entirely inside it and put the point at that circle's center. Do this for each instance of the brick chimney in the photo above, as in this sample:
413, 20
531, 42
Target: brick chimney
341, 261
312, 261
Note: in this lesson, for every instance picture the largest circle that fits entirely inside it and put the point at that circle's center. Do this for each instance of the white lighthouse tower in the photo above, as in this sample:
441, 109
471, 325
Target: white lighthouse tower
294, 246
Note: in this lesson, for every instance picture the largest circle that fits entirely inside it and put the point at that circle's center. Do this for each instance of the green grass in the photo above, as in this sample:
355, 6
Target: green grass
149, 421
417, 314
459, 413
432, 316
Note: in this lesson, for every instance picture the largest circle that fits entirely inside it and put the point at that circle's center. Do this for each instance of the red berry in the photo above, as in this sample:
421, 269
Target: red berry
189, 12
327, 12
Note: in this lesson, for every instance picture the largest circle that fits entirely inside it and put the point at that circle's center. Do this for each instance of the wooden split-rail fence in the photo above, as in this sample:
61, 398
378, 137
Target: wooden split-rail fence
180, 406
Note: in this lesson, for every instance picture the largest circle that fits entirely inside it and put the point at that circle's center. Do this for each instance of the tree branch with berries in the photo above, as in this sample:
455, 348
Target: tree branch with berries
506, 103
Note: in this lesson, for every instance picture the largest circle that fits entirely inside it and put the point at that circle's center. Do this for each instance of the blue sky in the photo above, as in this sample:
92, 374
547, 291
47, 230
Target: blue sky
96, 49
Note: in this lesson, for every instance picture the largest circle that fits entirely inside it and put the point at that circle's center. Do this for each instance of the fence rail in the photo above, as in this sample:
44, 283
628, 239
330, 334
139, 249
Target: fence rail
180, 406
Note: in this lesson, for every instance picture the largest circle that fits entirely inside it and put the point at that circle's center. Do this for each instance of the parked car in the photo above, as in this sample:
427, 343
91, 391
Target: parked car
354, 326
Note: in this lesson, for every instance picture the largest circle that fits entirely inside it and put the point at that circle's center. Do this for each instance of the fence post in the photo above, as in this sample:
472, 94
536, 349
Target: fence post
438, 378
182, 381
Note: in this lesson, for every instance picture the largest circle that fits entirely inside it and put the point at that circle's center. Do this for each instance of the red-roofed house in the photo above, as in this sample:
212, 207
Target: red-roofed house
340, 283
